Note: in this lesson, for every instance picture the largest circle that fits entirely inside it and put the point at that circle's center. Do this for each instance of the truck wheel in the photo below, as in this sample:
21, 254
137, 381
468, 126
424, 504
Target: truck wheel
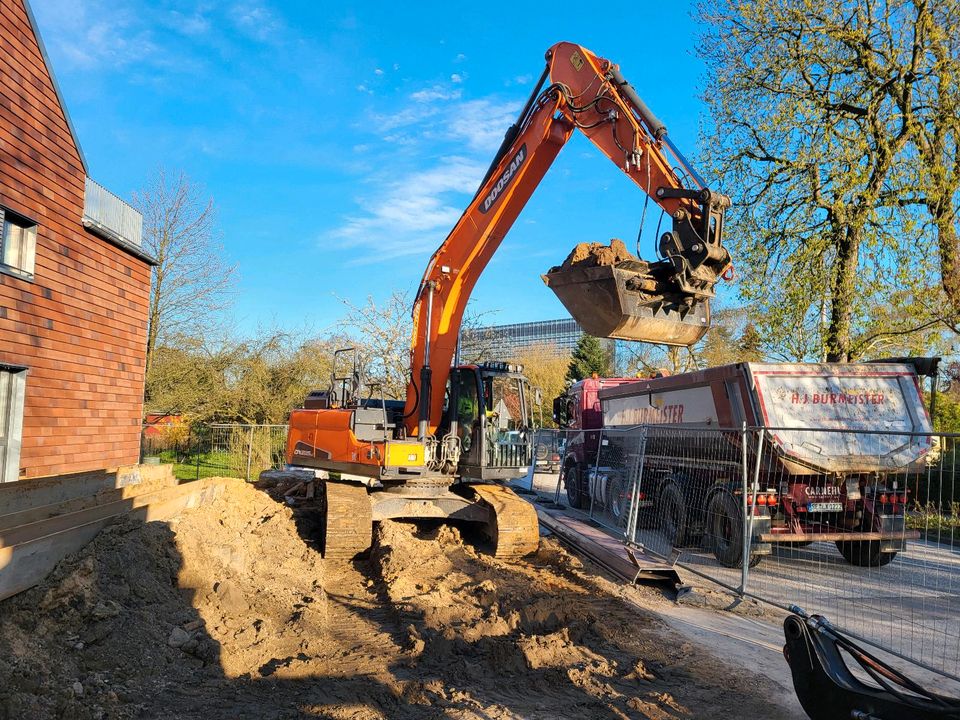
864, 553
673, 514
725, 531
575, 494
619, 502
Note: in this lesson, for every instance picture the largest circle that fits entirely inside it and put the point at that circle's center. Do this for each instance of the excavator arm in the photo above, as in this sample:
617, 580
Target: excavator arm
665, 302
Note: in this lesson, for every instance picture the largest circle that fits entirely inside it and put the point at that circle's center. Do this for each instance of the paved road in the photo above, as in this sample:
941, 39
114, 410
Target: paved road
911, 606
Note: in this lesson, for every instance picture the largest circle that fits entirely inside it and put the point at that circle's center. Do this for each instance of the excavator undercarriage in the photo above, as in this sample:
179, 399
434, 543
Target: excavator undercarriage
508, 521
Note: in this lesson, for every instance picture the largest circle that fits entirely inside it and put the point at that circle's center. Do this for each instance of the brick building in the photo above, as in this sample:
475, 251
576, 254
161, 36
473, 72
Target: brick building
74, 283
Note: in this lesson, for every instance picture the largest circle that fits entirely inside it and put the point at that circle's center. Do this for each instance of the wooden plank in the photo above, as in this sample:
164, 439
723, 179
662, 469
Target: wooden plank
58, 523
25, 563
26, 494
51, 510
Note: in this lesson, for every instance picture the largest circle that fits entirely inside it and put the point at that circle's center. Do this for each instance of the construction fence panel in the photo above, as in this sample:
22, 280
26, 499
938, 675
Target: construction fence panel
230, 450
610, 478
867, 533
689, 502
549, 446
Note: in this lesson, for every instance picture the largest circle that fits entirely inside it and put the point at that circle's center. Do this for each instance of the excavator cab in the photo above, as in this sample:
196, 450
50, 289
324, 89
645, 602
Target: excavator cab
488, 409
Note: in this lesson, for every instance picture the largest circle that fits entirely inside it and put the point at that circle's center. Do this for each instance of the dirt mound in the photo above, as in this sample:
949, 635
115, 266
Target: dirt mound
230, 612
596, 255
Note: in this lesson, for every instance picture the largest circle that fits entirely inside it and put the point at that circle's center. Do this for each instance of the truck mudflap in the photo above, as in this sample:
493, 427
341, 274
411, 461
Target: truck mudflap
759, 545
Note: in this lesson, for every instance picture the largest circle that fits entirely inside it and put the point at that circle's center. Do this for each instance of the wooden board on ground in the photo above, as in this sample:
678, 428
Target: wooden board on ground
30, 551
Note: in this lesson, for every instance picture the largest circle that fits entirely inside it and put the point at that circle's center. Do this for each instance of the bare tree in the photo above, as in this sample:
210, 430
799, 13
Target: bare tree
382, 332
193, 278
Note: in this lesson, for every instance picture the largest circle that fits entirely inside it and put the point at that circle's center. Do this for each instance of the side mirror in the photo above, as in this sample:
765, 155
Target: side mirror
560, 411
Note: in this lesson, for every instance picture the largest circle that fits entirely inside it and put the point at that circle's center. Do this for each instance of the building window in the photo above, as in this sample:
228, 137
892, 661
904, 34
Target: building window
12, 384
18, 244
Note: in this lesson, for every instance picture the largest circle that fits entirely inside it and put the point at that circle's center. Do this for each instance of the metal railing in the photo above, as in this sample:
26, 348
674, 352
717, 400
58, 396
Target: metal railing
198, 451
105, 213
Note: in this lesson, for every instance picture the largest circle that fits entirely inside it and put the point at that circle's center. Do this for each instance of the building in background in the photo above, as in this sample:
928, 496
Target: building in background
506, 342
74, 284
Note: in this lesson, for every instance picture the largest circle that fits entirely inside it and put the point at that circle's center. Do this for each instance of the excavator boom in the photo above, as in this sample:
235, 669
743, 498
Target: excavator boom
666, 301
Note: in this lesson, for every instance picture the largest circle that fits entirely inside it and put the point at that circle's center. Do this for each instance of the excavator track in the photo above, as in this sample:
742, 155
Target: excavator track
514, 529
349, 521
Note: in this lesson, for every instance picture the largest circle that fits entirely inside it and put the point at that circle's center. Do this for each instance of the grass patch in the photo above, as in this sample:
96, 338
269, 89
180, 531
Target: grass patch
931, 518
197, 466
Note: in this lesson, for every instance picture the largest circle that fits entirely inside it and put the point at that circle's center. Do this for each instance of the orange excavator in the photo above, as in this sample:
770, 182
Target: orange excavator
464, 429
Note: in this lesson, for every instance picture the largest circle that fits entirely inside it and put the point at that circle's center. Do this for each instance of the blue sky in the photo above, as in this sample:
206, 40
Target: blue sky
341, 141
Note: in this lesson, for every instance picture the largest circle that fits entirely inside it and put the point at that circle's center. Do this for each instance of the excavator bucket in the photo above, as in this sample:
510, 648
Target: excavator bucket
613, 294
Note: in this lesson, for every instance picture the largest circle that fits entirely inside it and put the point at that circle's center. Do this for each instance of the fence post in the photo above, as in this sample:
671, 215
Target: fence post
249, 451
556, 495
636, 470
592, 479
745, 565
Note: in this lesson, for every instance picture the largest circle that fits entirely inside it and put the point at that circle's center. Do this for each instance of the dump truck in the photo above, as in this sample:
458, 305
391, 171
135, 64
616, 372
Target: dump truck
838, 442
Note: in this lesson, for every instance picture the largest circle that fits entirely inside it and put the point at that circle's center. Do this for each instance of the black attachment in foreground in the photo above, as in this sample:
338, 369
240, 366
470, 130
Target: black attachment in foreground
827, 689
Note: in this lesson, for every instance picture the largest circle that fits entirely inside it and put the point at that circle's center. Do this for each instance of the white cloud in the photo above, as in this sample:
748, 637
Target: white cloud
413, 213
437, 92
407, 213
456, 78
482, 123
95, 34
439, 112
256, 21
460, 58
378, 71
194, 24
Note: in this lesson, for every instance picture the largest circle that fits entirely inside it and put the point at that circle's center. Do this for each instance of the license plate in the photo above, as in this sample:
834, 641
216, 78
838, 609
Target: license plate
825, 507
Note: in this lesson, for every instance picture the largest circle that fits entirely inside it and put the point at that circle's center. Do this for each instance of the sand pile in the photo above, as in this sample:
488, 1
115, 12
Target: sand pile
229, 612
596, 254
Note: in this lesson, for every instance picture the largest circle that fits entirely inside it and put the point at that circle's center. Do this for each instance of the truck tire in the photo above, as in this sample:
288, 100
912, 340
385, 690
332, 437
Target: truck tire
864, 553
572, 481
673, 514
725, 531
619, 503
